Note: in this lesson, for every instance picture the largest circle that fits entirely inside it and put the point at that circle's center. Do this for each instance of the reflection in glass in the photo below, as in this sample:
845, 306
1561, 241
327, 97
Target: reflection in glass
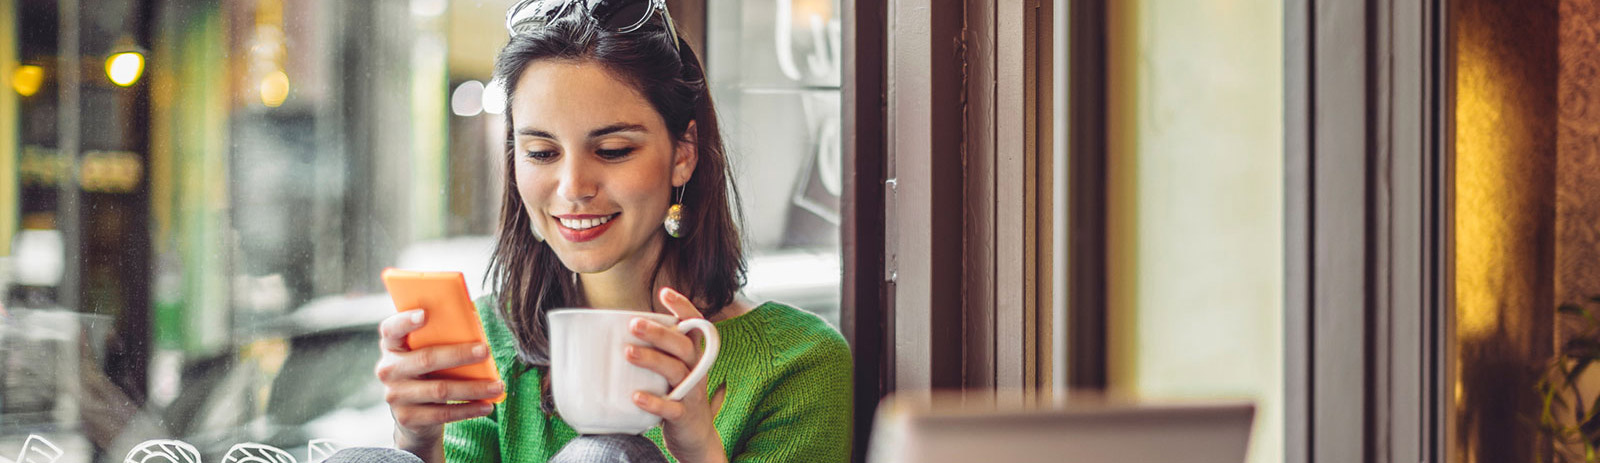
245, 169
774, 69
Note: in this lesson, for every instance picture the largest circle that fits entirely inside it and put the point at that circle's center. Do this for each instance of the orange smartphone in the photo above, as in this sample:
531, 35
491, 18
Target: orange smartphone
451, 317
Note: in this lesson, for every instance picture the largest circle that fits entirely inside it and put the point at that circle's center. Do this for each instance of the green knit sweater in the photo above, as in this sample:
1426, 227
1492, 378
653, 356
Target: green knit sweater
788, 396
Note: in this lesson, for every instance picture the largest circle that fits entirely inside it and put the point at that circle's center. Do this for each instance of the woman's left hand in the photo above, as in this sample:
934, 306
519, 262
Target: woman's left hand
687, 424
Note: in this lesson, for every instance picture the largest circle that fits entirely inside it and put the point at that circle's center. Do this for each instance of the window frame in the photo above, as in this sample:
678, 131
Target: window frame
1368, 189
1367, 224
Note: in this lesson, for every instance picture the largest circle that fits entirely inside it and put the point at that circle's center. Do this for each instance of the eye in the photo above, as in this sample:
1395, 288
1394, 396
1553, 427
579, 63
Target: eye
541, 155
614, 154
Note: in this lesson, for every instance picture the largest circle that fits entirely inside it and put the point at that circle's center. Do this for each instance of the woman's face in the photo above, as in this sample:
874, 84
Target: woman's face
594, 165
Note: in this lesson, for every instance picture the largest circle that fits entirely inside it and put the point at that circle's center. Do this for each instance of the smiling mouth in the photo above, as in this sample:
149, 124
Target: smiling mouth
578, 230
585, 224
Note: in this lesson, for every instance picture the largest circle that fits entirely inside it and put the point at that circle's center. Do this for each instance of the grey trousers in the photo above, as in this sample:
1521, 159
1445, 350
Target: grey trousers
618, 448
625, 448
372, 455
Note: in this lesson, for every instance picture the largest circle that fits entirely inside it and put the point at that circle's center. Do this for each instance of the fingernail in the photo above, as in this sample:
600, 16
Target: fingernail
496, 388
416, 316
485, 408
638, 325
480, 350
632, 352
638, 397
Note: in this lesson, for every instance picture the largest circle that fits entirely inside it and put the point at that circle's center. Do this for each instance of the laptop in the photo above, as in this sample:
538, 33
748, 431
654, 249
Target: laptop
952, 430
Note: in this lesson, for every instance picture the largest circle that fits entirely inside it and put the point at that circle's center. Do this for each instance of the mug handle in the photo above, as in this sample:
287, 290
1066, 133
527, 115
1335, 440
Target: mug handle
706, 358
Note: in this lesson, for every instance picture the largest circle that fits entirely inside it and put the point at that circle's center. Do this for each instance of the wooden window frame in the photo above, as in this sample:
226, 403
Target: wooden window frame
1087, 151
967, 295
1368, 278
863, 312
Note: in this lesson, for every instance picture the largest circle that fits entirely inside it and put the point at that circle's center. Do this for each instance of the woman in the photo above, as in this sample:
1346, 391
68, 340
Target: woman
610, 125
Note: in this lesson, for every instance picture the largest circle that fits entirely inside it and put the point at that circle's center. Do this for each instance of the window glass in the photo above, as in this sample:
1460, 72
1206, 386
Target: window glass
774, 70
207, 269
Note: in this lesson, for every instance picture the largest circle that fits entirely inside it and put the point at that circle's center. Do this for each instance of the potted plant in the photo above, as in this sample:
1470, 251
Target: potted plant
1571, 416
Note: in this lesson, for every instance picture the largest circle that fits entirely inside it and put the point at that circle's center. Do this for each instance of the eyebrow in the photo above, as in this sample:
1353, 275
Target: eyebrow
600, 132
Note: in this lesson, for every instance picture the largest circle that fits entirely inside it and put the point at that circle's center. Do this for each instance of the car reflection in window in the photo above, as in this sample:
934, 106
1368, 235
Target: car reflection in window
323, 388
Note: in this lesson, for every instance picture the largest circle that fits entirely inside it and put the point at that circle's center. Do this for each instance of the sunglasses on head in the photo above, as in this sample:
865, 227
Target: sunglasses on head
621, 16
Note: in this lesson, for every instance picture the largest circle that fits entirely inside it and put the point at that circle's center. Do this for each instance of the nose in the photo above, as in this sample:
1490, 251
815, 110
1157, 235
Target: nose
578, 183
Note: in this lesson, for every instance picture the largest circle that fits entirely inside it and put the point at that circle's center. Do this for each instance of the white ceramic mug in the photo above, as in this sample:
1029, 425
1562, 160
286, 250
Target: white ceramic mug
591, 378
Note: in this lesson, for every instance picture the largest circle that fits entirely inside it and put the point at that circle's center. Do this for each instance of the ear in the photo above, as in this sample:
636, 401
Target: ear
685, 156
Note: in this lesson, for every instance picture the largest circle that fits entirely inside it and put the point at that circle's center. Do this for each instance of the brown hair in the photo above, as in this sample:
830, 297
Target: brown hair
707, 264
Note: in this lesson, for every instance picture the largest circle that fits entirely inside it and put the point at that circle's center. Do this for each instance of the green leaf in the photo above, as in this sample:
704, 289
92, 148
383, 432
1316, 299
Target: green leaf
1590, 439
1579, 311
1545, 416
1579, 413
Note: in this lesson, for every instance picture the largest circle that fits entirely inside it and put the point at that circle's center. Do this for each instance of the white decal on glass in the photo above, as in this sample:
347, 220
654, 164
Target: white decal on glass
321, 449
38, 450
257, 453
163, 451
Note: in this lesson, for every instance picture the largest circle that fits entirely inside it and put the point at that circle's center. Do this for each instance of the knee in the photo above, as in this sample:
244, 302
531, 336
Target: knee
610, 448
372, 455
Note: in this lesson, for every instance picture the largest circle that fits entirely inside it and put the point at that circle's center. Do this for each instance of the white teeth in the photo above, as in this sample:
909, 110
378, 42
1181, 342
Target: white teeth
584, 224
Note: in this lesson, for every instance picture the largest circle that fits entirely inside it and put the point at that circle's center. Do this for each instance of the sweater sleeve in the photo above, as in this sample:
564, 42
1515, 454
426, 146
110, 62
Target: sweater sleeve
474, 440
806, 416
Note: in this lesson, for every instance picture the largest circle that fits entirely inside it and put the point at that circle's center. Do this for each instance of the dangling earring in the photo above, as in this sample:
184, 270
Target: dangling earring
674, 222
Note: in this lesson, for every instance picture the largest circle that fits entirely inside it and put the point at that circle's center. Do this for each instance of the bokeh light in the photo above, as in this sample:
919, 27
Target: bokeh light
467, 100
494, 97
27, 79
125, 68
274, 89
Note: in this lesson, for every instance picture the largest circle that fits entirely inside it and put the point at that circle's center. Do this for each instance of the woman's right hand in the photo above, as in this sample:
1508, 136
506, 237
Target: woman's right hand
421, 406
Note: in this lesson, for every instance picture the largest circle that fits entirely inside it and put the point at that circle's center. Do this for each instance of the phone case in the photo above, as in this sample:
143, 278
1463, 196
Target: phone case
451, 317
